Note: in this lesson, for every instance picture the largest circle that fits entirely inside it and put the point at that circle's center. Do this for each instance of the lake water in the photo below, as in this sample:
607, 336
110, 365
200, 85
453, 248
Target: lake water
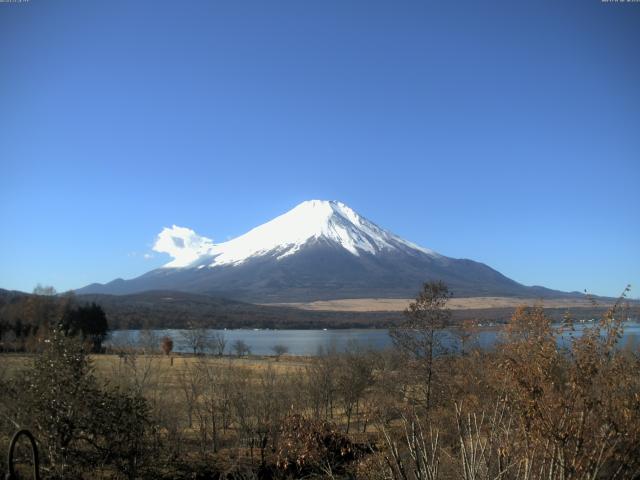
309, 342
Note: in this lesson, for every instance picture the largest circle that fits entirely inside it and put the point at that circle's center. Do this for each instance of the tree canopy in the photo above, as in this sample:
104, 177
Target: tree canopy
90, 321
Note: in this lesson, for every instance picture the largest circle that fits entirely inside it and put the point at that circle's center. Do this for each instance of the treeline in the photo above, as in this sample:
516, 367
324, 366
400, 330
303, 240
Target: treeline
160, 310
26, 321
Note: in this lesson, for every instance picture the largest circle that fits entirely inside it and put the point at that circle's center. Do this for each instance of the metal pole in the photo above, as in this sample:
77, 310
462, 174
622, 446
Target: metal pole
34, 455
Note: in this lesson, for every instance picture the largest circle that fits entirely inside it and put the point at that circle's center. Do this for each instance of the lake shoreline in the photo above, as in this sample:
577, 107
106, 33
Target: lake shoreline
309, 342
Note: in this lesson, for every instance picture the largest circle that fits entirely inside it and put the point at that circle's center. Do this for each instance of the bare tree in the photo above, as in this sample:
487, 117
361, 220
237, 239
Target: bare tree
414, 455
214, 408
196, 339
260, 402
321, 382
465, 333
241, 348
416, 336
148, 341
140, 374
279, 350
354, 376
44, 290
217, 343
190, 383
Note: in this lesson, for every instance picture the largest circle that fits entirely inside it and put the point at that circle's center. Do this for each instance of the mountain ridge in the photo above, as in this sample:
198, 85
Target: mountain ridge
319, 250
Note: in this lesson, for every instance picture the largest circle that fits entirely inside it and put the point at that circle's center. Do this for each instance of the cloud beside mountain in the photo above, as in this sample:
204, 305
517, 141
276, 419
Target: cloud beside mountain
183, 245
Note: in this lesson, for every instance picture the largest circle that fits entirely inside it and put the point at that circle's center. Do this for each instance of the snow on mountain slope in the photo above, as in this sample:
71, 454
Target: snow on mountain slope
319, 250
284, 236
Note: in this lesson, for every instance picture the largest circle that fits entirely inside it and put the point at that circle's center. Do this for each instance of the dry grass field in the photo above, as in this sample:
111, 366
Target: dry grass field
286, 364
399, 304
105, 365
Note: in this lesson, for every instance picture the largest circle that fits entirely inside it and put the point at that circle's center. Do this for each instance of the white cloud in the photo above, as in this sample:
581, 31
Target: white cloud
182, 244
148, 256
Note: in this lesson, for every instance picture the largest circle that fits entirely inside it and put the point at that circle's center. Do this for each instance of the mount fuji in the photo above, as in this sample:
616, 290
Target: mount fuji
319, 250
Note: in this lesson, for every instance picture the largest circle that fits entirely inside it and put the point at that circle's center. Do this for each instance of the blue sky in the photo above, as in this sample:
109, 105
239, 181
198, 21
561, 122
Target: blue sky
506, 132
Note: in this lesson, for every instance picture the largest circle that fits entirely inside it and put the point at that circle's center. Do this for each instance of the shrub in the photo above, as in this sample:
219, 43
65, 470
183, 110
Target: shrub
166, 345
79, 425
306, 446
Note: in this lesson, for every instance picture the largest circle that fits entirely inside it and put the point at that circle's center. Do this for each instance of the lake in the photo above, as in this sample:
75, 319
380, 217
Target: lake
309, 342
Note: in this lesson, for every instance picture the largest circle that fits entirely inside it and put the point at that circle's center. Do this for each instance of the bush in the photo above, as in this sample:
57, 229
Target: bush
80, 426
306, 446
166, 345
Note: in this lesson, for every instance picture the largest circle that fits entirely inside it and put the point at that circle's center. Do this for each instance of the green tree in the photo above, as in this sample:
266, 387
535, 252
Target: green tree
89, 321
80, 425
60, 391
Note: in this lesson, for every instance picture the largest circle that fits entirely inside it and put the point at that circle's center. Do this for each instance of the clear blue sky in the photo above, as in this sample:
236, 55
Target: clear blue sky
503, 131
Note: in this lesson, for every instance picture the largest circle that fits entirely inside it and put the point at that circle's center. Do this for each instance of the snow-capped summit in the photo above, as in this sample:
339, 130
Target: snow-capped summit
310, 221
319, 250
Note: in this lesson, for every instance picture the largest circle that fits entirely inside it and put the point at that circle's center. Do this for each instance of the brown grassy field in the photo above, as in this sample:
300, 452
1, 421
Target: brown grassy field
106, 364
399, 304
